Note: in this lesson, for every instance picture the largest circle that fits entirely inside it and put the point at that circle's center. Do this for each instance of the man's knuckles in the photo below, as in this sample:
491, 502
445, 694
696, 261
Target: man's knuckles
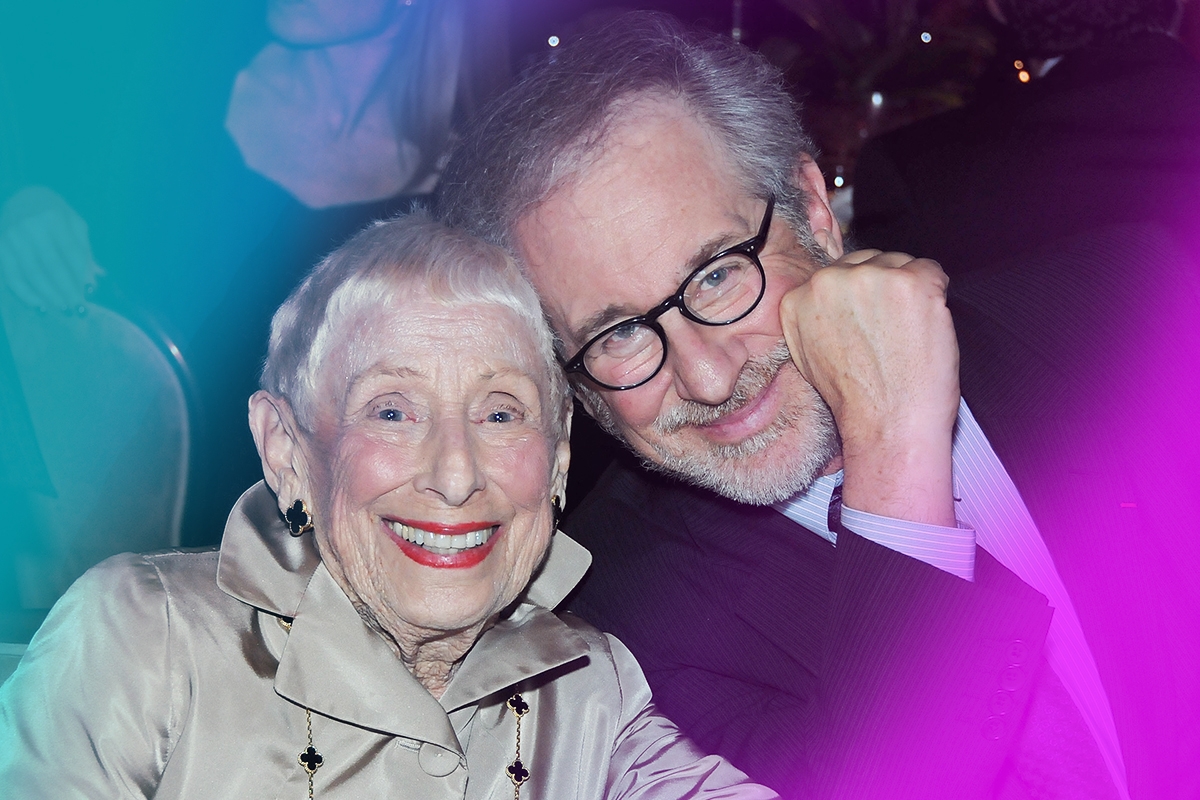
879, 276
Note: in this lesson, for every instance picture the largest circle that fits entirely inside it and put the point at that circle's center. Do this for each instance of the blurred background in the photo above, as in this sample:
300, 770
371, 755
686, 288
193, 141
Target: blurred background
170, 169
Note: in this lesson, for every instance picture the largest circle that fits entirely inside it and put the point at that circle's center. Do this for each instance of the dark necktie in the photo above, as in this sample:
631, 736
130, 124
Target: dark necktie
835, 509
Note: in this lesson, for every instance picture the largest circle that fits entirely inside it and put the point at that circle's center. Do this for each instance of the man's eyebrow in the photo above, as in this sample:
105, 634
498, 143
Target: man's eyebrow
614, 313
713, 246
602, 319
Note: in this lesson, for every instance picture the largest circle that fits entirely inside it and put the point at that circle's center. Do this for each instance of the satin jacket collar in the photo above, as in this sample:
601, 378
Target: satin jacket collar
332, 663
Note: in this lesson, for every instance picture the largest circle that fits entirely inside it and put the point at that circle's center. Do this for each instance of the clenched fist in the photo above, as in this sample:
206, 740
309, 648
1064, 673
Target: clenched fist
872, 334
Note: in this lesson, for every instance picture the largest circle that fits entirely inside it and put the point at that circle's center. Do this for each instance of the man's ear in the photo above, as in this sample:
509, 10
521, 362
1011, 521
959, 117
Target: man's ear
825, 227
276, 435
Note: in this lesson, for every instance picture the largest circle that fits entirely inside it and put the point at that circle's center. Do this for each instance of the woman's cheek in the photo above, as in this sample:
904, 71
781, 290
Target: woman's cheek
522, 471
373, 467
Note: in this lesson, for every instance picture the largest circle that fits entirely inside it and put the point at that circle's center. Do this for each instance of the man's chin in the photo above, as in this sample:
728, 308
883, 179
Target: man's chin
769, 467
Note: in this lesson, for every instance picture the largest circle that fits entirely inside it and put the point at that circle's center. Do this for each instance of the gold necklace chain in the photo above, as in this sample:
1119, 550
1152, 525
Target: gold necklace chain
517, 772
311, 760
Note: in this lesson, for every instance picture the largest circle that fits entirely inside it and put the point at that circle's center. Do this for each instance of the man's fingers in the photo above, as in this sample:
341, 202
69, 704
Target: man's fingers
889, 259
867, 326
859, 256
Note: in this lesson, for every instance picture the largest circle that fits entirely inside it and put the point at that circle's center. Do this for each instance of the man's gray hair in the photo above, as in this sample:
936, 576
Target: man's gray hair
559, 112
384, 266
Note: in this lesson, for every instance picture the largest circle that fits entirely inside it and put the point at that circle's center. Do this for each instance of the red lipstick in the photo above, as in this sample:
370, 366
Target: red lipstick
427, 558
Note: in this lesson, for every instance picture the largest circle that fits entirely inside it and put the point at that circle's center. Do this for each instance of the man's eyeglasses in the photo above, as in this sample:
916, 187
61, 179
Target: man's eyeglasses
722, 290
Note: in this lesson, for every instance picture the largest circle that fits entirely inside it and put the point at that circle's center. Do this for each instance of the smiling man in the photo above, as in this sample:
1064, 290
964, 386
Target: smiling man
803, 579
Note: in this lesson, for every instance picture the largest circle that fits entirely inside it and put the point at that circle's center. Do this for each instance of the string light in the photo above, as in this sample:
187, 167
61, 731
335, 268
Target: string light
926, 37
553, 41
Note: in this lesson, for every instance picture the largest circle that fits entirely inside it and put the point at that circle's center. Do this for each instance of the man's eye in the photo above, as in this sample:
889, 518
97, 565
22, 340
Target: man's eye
391, 414
625, 341
501, 416
714, 278
625, 333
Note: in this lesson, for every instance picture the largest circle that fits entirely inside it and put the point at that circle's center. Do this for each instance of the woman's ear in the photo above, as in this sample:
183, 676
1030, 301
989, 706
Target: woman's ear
562, 462
825, 228
276, 435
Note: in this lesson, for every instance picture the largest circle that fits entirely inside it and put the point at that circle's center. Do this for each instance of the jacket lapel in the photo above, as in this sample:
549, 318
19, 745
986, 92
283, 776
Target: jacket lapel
260, 563
787, 571
530, 642
336, 665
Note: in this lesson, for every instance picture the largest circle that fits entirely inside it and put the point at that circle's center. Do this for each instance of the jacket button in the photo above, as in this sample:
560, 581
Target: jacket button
1012, 678
993, 728
1017, 653
437, 761
1002, 703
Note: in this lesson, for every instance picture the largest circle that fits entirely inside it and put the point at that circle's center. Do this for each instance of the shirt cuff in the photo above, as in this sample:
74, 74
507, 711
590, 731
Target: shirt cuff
949, 549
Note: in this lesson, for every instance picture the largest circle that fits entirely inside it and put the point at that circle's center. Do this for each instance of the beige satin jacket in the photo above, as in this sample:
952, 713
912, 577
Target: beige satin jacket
169, 675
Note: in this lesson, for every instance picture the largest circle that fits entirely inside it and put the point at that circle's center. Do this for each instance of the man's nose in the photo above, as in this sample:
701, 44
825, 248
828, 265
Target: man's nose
451, 465
704, 361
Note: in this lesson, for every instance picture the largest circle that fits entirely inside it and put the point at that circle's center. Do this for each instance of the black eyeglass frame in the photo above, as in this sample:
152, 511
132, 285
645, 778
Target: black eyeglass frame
749, 248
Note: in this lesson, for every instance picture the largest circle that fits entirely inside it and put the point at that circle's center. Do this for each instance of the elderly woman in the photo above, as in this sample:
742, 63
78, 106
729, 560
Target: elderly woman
376, 622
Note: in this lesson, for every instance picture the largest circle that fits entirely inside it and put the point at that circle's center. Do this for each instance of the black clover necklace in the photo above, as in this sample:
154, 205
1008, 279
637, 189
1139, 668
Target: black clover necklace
517, 772
312, 760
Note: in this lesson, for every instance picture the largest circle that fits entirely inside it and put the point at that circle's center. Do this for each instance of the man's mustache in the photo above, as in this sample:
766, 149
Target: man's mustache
756, 375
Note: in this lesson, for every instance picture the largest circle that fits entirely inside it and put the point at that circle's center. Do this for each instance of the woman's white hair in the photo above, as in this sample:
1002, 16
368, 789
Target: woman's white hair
383, 266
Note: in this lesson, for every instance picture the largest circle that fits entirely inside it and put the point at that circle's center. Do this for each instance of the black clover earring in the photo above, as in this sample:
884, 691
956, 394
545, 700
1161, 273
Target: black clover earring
298, 519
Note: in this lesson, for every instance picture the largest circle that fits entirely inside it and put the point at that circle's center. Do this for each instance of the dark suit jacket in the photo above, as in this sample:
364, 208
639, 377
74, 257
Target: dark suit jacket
1110, 136
1081, 361
847, 672
857, 672
1066, 214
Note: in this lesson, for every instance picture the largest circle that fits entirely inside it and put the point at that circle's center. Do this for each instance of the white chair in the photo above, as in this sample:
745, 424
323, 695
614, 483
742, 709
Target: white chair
110, 413
10, 656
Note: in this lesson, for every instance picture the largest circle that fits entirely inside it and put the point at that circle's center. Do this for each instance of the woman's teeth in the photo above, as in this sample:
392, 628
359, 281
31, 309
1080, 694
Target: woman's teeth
440, 543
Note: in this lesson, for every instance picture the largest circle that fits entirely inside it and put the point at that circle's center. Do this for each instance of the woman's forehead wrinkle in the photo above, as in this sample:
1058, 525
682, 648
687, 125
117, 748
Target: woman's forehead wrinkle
382, 369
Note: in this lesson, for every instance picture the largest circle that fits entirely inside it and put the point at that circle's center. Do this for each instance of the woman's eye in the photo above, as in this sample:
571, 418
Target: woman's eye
391, 414
501, 416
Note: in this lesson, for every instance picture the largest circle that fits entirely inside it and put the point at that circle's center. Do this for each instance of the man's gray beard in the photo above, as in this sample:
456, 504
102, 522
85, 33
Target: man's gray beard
722, 468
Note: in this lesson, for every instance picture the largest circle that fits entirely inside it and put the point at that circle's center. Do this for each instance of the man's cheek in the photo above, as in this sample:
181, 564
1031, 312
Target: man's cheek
637, 409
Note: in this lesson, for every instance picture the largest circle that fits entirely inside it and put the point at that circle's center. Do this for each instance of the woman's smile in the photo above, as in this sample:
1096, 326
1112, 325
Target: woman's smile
439, 545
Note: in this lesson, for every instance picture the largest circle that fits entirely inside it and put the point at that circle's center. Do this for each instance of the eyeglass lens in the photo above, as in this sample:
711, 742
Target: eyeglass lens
719, 292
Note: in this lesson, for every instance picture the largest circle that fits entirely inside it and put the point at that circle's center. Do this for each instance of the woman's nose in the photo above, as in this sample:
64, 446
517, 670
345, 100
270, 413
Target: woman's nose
704, 362
451, 467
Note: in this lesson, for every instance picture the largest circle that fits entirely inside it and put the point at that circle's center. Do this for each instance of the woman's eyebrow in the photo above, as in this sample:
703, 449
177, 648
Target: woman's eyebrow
382, 371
